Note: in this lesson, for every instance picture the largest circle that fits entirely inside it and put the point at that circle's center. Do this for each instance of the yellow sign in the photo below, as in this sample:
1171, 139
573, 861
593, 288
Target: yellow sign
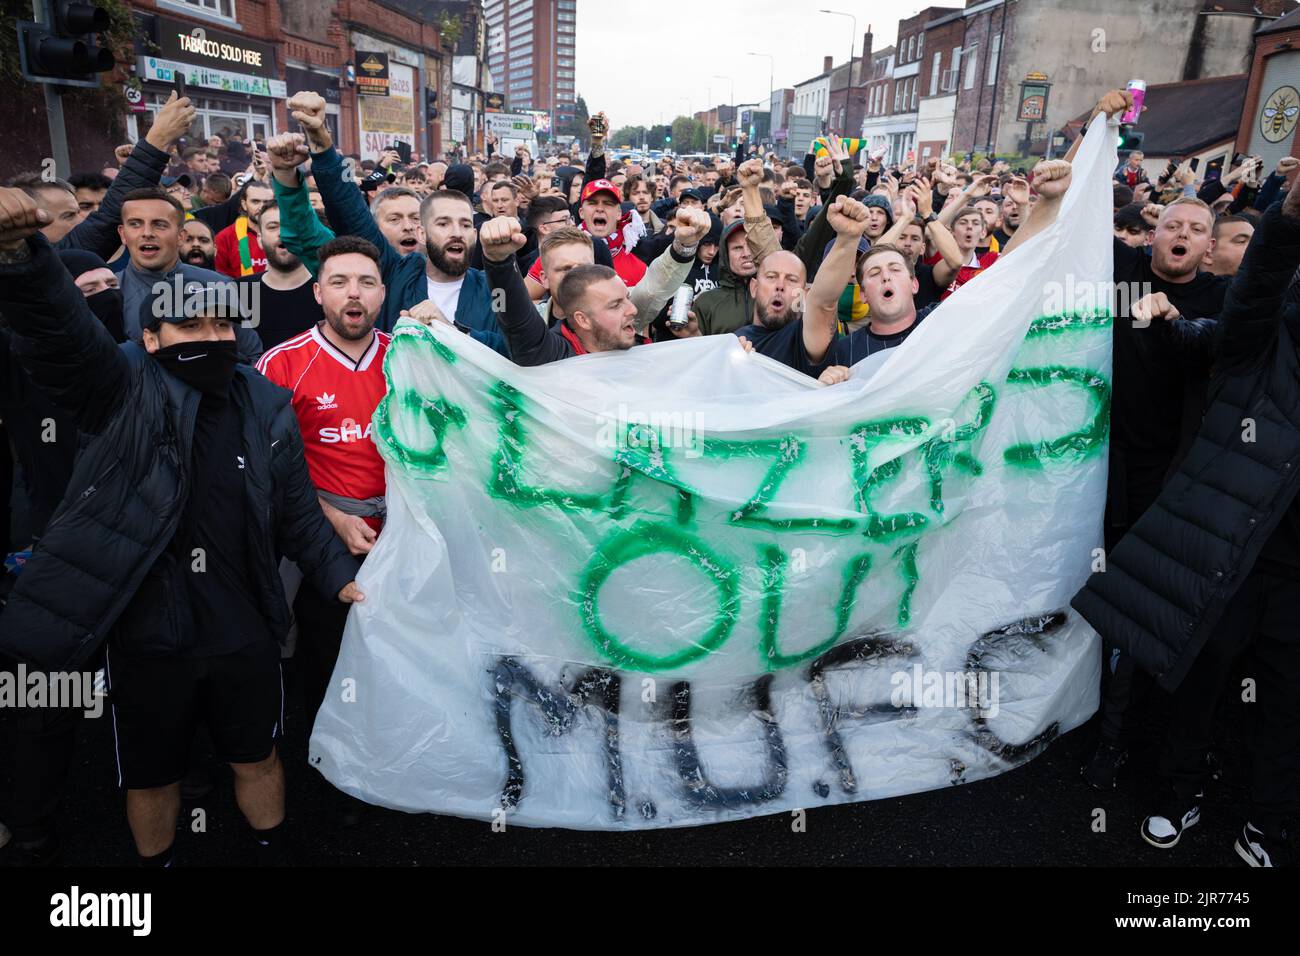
386, 114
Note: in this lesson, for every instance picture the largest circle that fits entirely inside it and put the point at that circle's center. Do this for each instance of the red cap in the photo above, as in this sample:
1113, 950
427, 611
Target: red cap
599, 186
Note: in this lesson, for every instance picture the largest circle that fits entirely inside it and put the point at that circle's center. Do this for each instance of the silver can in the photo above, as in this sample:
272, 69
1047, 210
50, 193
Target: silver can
682, 299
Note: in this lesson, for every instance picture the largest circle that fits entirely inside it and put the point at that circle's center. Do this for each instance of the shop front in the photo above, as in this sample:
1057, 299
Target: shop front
232, 80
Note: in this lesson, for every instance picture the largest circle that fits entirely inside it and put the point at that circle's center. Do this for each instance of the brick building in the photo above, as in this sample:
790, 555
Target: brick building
895, 84
938, 79
241, 59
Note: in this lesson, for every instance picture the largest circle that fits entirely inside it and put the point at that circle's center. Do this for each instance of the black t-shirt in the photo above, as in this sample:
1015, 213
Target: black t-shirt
786, 346
854, 348
226, 616
282, 314
1003, 237
1153, 377
927, 292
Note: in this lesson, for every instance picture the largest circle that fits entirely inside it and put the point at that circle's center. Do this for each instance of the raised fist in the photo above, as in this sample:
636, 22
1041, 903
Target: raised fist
287, 151
1116, 101
123, 153
750, 174
690, 225
307, 108
20, 217
500, 238
1052, 178
847, 217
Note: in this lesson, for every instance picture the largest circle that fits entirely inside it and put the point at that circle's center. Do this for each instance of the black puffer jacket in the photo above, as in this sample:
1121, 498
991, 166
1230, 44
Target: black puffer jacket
1167, 581
132, 479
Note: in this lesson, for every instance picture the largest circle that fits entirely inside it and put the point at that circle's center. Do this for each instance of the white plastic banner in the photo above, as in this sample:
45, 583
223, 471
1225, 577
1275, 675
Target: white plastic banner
684, 584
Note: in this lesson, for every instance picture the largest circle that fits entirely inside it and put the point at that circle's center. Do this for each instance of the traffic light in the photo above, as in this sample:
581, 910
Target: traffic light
668, 139
431, 103
1130, 139
63, 49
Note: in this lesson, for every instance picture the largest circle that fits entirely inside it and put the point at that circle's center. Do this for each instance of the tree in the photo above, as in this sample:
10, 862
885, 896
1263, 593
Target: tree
580, 117
656, 136
700, 139
628, 136
684, 134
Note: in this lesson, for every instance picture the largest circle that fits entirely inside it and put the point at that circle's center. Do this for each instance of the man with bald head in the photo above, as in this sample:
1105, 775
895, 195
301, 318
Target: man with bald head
795, 324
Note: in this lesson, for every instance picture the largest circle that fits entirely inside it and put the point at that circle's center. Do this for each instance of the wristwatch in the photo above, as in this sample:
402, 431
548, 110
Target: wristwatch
933, 217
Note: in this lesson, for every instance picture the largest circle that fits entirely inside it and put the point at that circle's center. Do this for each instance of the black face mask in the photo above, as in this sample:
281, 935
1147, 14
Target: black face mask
107, 306
207, 366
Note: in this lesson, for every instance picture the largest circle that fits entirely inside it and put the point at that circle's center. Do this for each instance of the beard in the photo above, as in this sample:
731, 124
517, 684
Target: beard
351, 329
438, 256
197, 257
280, 259
772, 320
606, 341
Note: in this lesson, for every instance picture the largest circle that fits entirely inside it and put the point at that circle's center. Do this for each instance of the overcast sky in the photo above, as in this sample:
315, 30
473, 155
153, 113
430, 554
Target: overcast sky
643, 64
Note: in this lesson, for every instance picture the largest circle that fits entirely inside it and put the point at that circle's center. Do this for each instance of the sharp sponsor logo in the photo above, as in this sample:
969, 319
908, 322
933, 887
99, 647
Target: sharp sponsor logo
349, 431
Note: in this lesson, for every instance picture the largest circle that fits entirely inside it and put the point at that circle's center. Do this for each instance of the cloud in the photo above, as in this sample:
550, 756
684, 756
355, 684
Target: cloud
644, 65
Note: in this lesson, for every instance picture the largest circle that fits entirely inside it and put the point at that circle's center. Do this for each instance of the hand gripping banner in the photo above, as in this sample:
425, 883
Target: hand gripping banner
683, 584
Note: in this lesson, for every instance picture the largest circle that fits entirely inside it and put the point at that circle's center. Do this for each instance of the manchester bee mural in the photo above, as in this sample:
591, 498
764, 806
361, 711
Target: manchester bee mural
1278, 118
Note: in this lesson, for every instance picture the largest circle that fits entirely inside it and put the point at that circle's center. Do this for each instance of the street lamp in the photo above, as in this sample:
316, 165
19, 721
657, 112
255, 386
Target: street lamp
771, 86
853, 40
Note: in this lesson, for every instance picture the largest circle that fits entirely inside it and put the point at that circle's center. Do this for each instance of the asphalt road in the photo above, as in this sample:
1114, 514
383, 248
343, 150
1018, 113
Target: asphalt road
1040, 813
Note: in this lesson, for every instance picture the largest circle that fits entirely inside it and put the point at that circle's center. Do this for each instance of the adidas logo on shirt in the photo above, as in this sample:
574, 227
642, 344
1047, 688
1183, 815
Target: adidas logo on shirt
325, 401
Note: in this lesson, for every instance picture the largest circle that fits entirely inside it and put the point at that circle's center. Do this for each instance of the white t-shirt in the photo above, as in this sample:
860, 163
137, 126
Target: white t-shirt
445, 295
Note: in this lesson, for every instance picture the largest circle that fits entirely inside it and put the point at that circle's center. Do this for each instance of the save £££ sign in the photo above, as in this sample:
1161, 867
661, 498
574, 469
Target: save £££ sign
385, 119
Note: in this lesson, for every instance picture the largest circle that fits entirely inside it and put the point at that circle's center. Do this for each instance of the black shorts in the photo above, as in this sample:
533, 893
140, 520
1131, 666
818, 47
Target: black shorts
159, 702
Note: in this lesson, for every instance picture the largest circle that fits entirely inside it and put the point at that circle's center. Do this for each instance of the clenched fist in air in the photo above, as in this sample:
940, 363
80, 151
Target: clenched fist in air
20, 217
500, 238
847, 217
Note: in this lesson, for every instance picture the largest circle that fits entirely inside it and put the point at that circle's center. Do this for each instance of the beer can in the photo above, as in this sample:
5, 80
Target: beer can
682, 300
1139, 90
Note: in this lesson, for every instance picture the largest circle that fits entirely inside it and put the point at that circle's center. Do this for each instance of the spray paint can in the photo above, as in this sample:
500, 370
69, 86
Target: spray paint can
1139, 90
682, 299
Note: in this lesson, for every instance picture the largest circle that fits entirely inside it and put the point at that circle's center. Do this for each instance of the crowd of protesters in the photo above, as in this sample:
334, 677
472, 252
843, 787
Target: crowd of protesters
172, 452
